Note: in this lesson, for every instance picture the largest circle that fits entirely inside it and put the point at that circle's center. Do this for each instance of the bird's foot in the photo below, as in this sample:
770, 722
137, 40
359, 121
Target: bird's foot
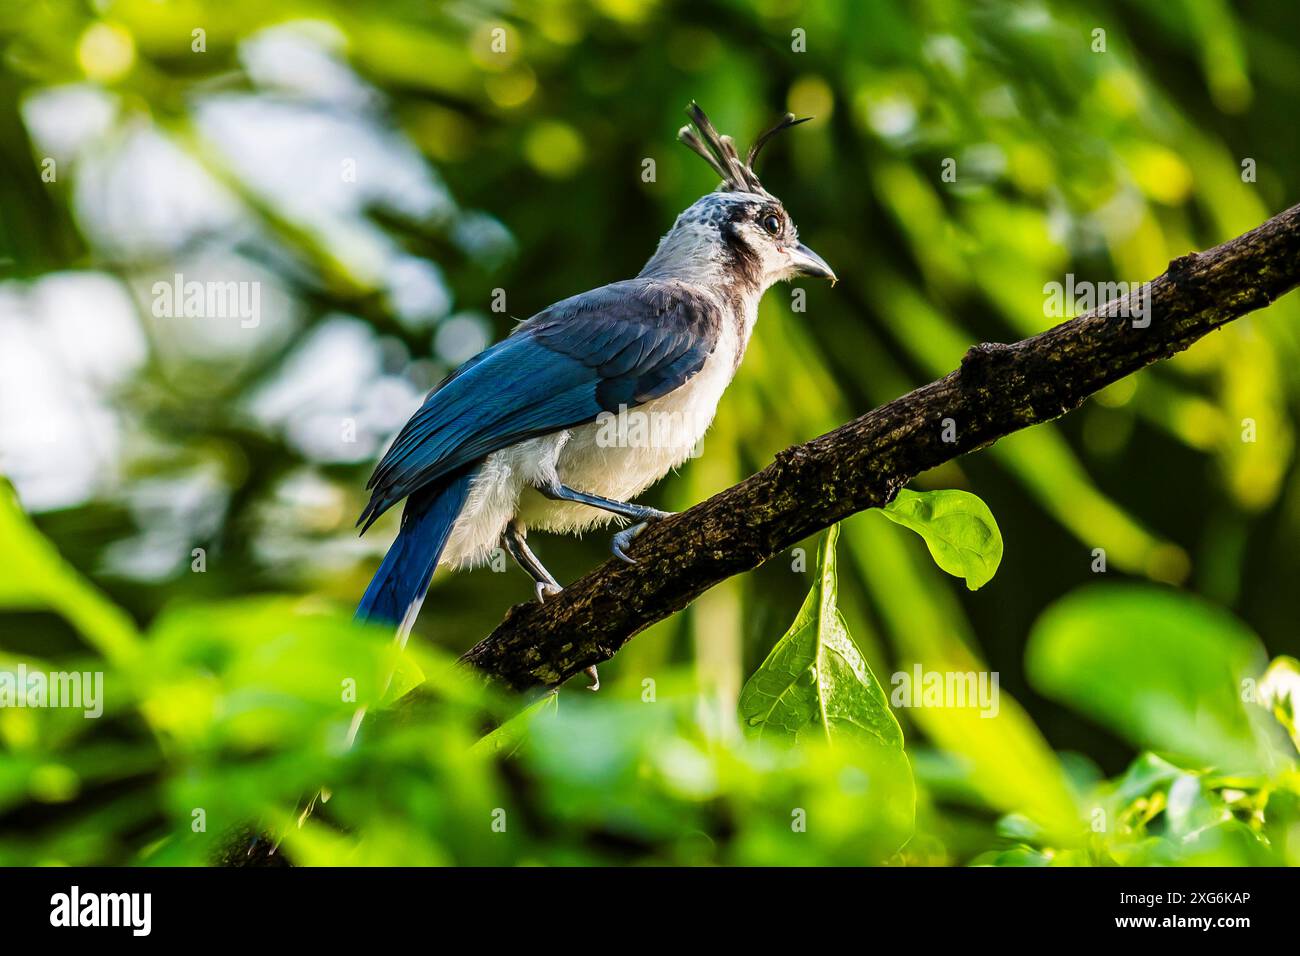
546, 589
595, 678
623, 539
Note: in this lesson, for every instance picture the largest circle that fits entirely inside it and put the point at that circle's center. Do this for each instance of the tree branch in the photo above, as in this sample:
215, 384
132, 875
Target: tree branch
999, 389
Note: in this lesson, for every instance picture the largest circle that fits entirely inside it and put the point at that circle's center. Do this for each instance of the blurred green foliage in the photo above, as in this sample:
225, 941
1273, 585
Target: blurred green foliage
383, 172
222, 717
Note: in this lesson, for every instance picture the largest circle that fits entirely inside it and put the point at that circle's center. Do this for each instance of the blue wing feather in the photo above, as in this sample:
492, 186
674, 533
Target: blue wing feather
620, 345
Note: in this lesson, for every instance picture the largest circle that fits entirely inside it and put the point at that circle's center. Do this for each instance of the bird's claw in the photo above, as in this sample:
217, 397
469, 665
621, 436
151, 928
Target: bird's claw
595, 678
623, 539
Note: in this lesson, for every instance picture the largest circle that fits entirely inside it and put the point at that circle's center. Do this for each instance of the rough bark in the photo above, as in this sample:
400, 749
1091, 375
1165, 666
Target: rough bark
998, 389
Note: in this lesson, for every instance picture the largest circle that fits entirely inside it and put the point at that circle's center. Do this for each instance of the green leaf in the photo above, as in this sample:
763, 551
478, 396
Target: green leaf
407, 676
1192, 806
816, 690
1005, 759
1164, 669
1144, 776
264, 668
958, 528
1279, 693
816, 680
507, 738
36, 576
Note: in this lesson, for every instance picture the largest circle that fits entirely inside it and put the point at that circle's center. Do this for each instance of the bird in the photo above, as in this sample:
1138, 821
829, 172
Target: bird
521, 436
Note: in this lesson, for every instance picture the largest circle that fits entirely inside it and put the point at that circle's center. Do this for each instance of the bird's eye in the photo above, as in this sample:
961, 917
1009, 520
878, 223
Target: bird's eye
772, 225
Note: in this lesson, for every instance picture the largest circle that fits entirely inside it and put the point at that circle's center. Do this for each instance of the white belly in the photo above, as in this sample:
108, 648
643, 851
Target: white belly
617, 457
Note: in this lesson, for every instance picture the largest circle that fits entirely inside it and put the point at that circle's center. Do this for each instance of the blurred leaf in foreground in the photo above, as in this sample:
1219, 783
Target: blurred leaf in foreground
644, 780
1165, 670
36, 576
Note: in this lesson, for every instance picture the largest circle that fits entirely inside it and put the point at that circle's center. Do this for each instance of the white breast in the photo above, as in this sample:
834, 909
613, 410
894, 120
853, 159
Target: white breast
616, 457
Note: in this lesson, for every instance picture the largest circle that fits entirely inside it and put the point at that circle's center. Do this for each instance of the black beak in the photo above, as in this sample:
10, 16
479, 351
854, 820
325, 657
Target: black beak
808, 263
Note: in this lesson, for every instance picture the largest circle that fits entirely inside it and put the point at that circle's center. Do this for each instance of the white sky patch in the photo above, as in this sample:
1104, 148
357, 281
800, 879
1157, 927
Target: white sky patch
483, 238
181, 339
64, 120
417, 290
140, 196
312, 143
144, 202
332, 398
307, 526
302, 58
892, 116
326, 169
460, 337
177, 513
66, 341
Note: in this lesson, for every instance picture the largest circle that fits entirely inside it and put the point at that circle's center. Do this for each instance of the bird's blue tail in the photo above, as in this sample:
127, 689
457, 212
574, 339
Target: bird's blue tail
399, 586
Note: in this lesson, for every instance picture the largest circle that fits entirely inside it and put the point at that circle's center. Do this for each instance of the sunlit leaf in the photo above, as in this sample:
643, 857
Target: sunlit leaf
1279, 692
406, 677
958, 528
506, 739
1146, 774
815, 680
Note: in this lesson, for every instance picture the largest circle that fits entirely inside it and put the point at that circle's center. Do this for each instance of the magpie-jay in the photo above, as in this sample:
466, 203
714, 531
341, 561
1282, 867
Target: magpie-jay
518, 437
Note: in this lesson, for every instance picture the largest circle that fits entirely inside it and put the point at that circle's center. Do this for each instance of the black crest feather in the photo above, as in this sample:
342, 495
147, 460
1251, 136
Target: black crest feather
720, 152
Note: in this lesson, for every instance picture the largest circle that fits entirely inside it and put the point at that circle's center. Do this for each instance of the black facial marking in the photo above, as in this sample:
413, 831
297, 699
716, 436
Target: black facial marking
739, 221
743, 259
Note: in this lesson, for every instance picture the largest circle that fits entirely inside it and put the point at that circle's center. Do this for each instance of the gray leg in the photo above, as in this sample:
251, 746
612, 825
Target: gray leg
513, 541
626, 509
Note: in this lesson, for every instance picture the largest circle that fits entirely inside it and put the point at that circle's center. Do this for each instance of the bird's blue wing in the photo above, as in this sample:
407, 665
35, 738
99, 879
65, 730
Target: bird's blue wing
620, 345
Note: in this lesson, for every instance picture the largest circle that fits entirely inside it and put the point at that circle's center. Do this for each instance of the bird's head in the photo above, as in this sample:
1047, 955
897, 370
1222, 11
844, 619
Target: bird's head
741, 234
